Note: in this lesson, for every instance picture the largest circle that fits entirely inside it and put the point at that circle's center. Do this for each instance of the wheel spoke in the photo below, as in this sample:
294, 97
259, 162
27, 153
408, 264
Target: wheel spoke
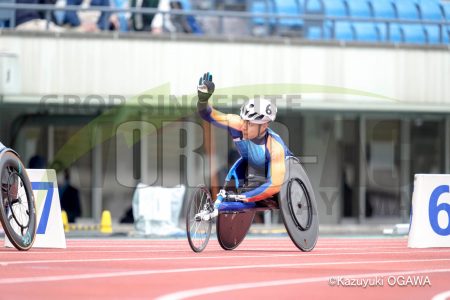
9, 170
198, 231
196, 206
200, 206
196, 228
18, 209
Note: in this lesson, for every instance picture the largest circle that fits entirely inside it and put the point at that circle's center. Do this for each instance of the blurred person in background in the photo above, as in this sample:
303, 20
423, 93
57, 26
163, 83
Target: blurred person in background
143, 22
90, 21
107, 20
37, 162
173, 22
33, 20
69, 196
161, 22
70, 19
120, 20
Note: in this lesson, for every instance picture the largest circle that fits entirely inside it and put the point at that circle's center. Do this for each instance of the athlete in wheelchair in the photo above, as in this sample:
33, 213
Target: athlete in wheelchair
17, 209
266, 177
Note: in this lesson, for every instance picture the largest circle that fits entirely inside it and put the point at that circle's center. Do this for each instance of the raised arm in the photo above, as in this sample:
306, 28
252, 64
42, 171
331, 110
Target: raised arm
205, 90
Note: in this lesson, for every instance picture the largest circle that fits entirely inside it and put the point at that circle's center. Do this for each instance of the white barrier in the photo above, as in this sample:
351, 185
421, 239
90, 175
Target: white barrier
49, 229
430, 219
156, 210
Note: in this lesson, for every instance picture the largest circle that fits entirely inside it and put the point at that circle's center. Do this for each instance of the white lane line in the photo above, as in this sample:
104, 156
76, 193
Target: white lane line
248, 240
125, 246
243, 247
252, 242
246, 245
261, 284
442, 296
31, 252
287, 245
204, 269
281, 247
195, 257
214, 248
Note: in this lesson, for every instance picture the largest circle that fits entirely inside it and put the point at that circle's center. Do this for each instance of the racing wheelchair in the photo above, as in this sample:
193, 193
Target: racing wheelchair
17, 209
295, 201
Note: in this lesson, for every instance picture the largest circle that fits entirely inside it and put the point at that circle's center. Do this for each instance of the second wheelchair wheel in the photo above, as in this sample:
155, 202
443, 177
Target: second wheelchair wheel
17, 210
298, 207
232, 228
198, 231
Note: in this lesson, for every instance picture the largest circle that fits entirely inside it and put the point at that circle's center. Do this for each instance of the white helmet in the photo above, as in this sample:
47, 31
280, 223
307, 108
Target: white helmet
259, 111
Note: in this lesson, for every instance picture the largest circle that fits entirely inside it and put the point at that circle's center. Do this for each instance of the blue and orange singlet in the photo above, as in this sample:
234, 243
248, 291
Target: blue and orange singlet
267, 153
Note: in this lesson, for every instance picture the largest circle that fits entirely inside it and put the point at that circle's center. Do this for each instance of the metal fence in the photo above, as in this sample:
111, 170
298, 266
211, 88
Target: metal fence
272, 20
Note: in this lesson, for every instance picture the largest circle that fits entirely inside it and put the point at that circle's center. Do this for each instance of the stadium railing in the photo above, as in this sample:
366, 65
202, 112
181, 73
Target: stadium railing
312, 26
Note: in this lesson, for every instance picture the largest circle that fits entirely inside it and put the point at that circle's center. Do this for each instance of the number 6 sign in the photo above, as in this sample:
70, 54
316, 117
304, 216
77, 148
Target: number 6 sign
430, 220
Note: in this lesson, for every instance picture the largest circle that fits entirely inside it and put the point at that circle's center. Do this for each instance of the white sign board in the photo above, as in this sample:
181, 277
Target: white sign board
49, 229
430, 219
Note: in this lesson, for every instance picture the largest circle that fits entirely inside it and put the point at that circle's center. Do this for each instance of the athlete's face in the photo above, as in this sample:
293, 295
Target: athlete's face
252, 130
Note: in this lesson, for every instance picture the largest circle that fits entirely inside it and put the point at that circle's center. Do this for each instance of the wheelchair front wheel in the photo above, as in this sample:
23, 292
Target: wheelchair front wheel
198, 231
17, 209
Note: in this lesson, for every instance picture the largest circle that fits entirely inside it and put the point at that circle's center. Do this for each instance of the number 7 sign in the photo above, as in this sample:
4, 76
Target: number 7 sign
43, 220
50, 231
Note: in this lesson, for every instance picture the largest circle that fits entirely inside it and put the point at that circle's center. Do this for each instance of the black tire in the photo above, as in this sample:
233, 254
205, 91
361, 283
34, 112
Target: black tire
200, 200
17, 209
232, 228
298, 206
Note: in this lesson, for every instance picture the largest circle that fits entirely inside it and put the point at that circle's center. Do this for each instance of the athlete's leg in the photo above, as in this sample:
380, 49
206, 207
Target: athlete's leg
234, 178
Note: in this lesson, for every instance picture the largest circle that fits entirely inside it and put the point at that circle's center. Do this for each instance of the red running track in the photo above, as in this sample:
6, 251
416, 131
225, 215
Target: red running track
259, 268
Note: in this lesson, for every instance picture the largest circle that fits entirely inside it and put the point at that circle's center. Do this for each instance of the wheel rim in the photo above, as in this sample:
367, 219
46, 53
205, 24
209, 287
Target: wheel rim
299, 203
17, 208
199, 230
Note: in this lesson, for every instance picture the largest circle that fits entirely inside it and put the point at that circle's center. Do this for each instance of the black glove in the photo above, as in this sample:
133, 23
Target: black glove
205, 87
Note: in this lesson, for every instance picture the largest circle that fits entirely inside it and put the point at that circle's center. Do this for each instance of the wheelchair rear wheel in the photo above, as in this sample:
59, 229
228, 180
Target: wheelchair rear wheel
298, 207
17, 210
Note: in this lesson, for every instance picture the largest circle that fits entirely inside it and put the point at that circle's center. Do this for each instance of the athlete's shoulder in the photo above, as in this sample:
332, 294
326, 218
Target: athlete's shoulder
275, 146
275, 136
272, 133
278, 144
